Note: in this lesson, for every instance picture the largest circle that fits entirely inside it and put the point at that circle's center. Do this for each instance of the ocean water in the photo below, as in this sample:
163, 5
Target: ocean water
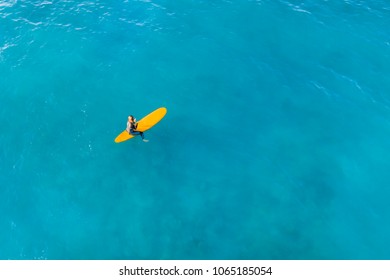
276, 144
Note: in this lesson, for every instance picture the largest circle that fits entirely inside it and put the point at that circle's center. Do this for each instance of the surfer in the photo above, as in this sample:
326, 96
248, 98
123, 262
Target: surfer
132, 126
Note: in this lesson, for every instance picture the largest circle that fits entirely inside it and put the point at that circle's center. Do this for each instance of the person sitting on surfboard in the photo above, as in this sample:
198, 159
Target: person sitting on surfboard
132, 126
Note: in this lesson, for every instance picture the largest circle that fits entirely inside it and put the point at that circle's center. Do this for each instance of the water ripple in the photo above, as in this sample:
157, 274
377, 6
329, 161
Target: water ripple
8, 3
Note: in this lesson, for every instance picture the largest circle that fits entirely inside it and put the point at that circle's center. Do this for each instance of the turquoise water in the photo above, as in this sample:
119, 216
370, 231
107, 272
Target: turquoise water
275, 146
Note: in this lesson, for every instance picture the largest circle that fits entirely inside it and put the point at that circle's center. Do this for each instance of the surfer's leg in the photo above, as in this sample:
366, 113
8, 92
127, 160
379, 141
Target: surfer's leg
135, 133
143, 137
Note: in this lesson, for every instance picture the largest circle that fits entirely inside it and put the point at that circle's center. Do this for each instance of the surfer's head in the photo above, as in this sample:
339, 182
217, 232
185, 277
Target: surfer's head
131, 118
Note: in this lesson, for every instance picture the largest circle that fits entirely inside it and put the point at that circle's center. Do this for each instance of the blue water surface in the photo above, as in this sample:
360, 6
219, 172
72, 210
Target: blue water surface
275, 146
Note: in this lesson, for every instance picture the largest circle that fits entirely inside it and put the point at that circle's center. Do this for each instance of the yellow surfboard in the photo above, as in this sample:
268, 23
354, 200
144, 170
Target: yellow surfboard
144, 124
